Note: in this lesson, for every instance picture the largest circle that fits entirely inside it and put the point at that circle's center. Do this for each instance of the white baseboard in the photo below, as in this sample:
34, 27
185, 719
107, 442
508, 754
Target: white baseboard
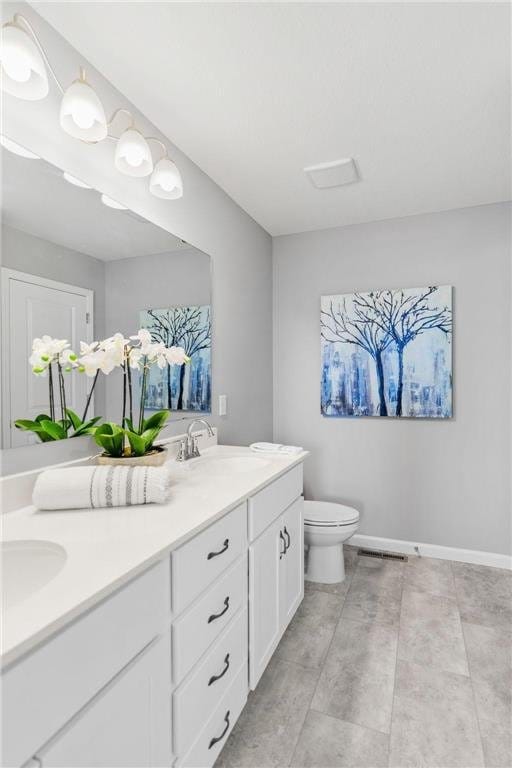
494, 559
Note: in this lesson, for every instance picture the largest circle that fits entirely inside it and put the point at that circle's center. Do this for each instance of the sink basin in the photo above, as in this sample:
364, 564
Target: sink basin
26, 567
229, 465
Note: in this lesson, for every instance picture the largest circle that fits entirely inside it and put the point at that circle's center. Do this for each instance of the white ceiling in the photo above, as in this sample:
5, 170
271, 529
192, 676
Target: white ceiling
37, 199
418, 94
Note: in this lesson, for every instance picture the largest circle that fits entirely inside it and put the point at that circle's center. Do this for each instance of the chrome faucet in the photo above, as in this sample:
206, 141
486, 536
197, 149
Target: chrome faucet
188, 446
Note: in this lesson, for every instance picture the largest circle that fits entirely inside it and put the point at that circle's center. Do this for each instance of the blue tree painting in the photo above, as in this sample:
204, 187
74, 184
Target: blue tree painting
185, 387
387, 353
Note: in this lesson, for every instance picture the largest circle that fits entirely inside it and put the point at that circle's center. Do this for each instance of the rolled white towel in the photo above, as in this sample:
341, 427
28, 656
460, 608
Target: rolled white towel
100, 486
276, 448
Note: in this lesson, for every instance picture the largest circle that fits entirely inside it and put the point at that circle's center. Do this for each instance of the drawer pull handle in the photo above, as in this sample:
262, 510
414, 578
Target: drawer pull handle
218, 615
216, 554
282, 538
219, 738
289, 540
214, 678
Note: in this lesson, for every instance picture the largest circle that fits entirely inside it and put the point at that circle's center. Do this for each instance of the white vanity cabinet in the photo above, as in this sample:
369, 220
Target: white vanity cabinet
291, 563
276, 567
209, 638
45, 689
127, 725
158, 672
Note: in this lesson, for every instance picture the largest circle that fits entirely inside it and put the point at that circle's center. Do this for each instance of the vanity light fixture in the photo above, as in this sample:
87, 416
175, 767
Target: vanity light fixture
133, 155
106, 200
22, 64
76, 182
17, 149
81, 112
23, 67
165, 181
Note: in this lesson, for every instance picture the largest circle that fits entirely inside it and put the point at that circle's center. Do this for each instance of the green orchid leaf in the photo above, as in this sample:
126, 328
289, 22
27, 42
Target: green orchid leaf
150, 435
87, 428
137, 443
110, 436
129, 423
156, 420
34, 426
55, 430
105, 442
43, 417
27, 425
75, 418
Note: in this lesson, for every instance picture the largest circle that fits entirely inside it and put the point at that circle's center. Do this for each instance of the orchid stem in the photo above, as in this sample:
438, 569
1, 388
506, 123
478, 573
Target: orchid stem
143, 396
50, 386
130, 393
89, 396
62, 394
124, 394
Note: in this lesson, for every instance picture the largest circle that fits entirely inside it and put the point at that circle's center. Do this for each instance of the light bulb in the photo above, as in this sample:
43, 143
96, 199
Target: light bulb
132, 155
108, 201
81, 112
83, 116
17, 149
22, 67
16, 64
76, 182
166, 180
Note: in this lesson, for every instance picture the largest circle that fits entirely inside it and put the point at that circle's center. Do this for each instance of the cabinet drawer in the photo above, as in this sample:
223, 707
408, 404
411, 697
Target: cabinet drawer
197, 564
198, 696
45, 689
266, 505
214, 735
199, 627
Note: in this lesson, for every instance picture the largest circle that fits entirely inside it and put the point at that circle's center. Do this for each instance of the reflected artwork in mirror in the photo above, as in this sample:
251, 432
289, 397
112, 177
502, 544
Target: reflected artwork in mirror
184, 387
75, 268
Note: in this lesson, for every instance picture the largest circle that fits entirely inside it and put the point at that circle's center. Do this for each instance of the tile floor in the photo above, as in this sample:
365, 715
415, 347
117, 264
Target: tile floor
404, 664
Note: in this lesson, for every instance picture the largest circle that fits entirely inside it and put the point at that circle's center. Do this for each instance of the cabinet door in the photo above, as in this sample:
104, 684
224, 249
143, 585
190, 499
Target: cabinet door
128, 725
264, 601
292, 563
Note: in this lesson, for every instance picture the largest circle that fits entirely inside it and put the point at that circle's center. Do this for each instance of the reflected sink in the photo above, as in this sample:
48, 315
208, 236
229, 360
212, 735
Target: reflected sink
229, 465
26, 567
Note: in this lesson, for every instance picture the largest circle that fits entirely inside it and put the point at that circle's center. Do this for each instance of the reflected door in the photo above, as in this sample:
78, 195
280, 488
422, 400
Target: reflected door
33, 307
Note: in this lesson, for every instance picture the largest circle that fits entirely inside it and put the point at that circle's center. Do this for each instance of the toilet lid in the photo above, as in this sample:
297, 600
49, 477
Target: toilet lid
329, 514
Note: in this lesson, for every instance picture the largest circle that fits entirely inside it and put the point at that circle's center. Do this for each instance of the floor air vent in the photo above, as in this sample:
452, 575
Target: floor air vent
381, 555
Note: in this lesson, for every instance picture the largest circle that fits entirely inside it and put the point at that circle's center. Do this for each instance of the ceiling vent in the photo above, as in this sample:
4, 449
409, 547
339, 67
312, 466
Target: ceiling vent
333, 174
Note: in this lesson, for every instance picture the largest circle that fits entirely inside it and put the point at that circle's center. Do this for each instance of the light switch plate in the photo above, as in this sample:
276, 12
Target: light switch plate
223, 405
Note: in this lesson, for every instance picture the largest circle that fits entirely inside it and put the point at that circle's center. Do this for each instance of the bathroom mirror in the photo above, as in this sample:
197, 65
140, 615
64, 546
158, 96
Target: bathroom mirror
75, 265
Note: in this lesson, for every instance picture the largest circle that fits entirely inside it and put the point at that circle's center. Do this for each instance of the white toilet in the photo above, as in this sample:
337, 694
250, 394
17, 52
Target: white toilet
326, 526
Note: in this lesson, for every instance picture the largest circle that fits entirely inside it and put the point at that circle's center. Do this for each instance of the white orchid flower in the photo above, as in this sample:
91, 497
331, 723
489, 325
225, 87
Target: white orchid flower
91, 362
86, 349
152, 352
143, 337
108, 360
68, 360
176, 356
99, 360
115, 345
134, 357
58, 346
46, 350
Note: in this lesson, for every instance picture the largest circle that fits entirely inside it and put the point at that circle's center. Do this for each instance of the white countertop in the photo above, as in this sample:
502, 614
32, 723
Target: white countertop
107, 547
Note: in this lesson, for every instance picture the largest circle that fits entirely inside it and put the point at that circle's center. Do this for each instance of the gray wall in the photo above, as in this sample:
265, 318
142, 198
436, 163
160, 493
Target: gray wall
36, 256
438, 482
206, 217
179, 278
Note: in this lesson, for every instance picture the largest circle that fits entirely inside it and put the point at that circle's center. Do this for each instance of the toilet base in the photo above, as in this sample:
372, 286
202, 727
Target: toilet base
325, 565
